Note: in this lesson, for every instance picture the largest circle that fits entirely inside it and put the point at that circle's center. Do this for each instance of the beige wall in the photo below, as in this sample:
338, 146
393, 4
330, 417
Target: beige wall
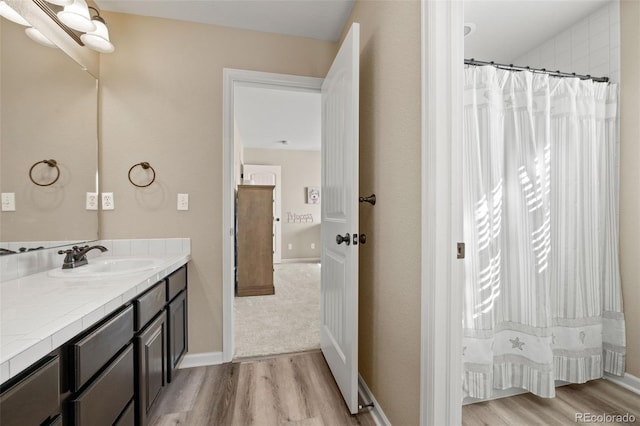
630, 177
300, 169
390, 132
162, 103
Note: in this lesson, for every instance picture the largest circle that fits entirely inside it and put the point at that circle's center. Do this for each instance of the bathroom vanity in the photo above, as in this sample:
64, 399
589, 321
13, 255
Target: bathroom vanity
107, 349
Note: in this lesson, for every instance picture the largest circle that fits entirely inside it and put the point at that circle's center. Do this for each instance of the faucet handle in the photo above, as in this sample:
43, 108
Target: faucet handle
71, 250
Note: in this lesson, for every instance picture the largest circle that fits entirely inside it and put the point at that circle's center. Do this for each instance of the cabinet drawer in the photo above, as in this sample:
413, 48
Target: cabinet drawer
176, 282
103, 401
34, 399
95, 350
149, 304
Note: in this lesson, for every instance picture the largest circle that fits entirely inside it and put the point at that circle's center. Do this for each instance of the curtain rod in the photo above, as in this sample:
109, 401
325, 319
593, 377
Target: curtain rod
536, 70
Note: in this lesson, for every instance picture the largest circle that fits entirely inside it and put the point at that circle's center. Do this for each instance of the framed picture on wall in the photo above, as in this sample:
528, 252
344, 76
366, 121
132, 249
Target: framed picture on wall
313, 195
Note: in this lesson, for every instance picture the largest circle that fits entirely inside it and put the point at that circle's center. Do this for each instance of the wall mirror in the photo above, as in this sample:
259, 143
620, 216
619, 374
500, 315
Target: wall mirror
48, 110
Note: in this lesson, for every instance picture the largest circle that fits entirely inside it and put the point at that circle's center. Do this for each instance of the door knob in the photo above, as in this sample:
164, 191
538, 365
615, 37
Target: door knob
371, 199
346, 239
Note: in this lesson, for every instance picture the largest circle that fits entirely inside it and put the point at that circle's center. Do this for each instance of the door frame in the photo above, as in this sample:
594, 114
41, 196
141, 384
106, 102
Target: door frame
442, 51
230, 78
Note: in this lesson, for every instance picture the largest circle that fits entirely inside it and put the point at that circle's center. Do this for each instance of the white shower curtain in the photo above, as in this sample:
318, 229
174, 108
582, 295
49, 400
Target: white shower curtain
542, 285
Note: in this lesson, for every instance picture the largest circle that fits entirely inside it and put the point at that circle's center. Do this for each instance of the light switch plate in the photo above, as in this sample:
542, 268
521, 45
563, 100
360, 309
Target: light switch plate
108, 201
92, 201
8, 201
183, 201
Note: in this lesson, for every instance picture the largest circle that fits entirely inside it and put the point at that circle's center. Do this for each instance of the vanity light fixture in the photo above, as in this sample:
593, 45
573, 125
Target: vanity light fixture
76, 16
98, 40
8, 12
35, 35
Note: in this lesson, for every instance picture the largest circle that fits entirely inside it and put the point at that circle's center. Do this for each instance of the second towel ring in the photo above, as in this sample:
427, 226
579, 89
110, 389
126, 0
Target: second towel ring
50, 163
145, 166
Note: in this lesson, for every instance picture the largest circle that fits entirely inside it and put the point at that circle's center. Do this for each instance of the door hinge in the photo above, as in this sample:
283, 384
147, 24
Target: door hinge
460, 250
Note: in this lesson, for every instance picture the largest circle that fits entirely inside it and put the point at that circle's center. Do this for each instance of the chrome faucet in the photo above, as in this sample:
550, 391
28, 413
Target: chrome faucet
77, 256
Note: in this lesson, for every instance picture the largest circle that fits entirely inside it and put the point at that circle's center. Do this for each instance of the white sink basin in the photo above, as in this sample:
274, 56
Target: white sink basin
109, 267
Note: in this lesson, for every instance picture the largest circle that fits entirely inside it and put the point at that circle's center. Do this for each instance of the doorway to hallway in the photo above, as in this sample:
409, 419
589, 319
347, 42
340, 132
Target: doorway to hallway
276, 134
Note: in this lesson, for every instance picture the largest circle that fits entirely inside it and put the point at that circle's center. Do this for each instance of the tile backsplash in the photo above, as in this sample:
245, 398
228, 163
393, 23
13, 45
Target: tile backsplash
33, 262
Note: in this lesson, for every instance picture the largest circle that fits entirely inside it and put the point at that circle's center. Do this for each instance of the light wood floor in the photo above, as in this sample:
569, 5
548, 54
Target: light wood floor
597, 397
293, 390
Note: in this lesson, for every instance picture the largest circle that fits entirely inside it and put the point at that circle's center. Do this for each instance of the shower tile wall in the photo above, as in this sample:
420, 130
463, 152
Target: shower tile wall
592, 46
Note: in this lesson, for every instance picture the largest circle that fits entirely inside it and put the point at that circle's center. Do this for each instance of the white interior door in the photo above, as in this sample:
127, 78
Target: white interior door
269, 175
339, 289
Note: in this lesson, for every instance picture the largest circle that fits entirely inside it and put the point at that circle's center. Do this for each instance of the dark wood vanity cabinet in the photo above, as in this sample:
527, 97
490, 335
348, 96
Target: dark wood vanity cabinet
161, 340
110, 374
33, 399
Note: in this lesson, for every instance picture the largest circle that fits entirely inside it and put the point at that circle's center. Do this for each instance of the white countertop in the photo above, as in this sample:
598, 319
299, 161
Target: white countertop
39, 313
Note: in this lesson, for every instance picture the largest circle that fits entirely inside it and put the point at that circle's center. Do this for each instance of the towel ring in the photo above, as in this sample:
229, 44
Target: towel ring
145, 166
50, 163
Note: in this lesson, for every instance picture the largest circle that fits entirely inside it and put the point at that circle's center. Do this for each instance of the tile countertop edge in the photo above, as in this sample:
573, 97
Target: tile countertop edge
35, 349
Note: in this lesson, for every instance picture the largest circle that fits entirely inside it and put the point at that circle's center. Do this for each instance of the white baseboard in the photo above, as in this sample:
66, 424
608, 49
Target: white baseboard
201, 359
627, 381
301, 260
368, 398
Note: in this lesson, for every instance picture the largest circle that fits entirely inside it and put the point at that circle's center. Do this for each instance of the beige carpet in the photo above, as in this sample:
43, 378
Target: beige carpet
288, 321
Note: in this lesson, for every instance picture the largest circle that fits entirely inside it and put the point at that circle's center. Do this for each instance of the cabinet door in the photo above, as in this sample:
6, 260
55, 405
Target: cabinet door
177, 310
151, 359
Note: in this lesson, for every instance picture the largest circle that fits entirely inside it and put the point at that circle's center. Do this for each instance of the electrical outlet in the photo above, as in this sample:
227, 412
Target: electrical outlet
92, 201
108, 201
183, 201
290, 246
313, 245
8, 201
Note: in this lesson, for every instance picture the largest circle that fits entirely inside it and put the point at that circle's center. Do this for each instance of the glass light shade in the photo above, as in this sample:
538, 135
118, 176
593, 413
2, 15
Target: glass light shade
38, 37
99, 39
76, 16
60, 2
8, 12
